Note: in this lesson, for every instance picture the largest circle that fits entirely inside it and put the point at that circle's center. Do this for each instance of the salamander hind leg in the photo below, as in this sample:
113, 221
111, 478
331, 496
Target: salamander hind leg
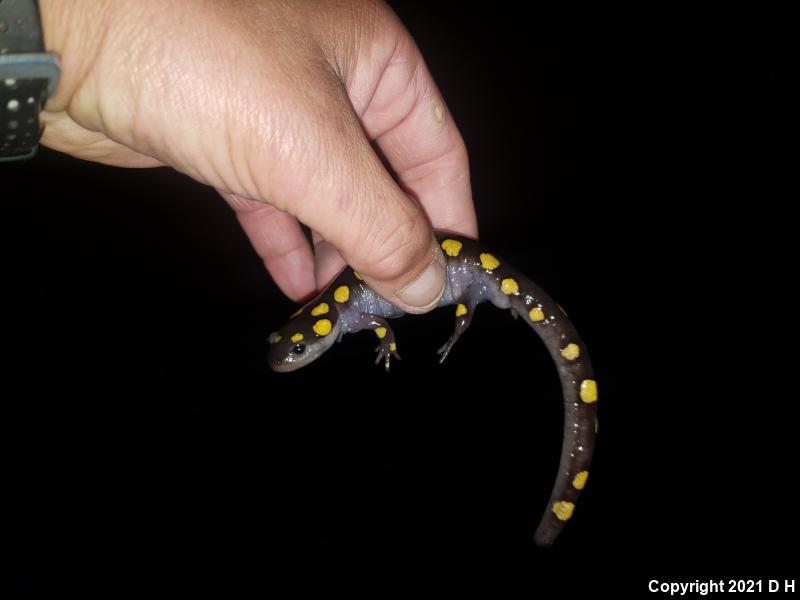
464, 309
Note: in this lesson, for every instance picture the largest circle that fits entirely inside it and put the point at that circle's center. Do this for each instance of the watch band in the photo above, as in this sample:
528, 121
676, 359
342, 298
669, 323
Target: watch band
28, 76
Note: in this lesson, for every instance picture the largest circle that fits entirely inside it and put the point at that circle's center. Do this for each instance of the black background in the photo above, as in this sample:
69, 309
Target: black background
148, 449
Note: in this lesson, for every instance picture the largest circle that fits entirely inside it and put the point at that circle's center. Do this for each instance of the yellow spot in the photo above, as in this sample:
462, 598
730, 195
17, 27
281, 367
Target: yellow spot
322, 327
563, 510
561, 308
358, 276
392, 346
296, 337
589, 391
571, 352
461, 310
320, 309
451, 247
380, 332
580, 480
509, 286
297, 312
342, 294
276, 339
489, 262
536, 314
596, 425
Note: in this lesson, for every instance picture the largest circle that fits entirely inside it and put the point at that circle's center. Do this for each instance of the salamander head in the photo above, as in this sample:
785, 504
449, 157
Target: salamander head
307, 335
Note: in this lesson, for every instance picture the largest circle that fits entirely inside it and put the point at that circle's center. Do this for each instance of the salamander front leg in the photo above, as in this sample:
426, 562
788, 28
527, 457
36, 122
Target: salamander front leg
388, 345
463, 320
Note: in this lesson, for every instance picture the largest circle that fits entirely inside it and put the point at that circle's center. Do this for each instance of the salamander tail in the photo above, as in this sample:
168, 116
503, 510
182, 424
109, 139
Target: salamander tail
579, 389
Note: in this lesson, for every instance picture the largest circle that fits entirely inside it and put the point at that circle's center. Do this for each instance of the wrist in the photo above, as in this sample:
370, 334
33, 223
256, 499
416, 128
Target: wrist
73, 30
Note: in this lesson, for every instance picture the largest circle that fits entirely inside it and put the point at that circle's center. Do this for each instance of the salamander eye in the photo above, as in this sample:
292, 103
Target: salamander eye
298, 349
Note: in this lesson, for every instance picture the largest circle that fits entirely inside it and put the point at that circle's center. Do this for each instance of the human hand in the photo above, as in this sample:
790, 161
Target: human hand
276, 104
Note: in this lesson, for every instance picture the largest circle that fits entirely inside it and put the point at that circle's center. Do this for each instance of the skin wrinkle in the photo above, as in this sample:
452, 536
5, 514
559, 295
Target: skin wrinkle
107, 110
292, 148
106, 105
389, 247
92, 145
241, 206
207, 170
292, 249
239, 163
234, 159
443, 179
373, 64
276, 138
229, 150
338, 44
356, 97
152, 140
434, 166
381, 197
64, 38
296, 262
398, 99
182, 92
219, 158
250, 154
341, 50
325, 176
397, 143
347, 198
398, 112
420, 164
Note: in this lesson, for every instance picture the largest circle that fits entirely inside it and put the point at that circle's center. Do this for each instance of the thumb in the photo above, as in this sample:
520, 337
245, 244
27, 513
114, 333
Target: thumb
355, 205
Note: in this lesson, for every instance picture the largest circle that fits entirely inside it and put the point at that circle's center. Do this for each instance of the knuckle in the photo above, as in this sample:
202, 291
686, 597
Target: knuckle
399, 248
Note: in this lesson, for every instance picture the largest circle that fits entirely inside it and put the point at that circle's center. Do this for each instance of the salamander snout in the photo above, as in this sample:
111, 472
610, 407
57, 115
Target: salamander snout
292, 349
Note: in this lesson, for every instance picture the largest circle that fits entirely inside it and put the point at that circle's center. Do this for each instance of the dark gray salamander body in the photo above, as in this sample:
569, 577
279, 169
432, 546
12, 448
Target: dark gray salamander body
474, 275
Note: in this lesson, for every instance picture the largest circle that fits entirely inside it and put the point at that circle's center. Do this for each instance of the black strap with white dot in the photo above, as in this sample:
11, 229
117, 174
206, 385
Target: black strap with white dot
28, 77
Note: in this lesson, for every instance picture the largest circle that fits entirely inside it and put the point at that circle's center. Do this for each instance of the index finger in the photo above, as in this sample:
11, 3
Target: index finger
402, 110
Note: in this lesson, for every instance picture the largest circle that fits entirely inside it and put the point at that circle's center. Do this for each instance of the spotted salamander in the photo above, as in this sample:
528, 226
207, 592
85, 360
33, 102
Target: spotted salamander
474, 275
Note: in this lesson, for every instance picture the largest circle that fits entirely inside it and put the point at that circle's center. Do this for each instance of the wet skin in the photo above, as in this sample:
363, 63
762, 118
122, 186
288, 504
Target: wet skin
474, 275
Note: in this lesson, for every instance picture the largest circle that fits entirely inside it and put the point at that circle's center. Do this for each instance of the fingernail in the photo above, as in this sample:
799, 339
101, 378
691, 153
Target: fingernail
422, 294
